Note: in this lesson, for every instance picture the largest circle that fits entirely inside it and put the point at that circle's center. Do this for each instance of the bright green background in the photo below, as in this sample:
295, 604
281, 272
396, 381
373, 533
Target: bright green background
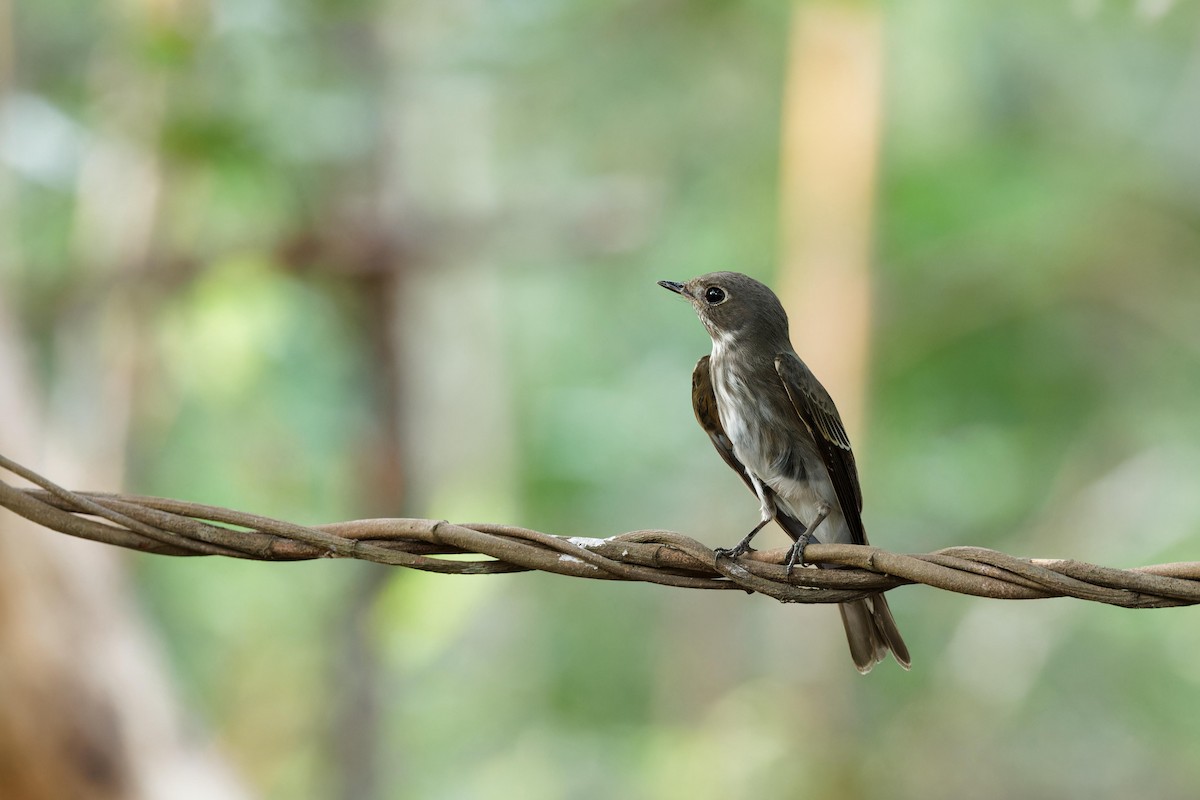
1035, 379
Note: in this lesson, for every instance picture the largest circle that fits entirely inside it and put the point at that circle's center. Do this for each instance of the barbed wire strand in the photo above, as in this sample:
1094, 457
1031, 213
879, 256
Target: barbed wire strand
180, 528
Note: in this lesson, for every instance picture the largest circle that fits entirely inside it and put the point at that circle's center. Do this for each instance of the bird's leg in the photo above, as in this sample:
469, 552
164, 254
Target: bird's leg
796, 554
767, 505
741, 547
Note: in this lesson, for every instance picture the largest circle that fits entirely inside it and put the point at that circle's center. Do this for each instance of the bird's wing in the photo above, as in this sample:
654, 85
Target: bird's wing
704, 403
816, 410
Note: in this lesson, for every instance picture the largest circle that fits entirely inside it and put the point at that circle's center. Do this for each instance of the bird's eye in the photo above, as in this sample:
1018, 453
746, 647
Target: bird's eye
714, 295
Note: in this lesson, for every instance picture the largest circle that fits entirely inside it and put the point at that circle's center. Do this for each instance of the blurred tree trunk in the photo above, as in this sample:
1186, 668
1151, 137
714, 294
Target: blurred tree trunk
85, 707
430, 180
830, 142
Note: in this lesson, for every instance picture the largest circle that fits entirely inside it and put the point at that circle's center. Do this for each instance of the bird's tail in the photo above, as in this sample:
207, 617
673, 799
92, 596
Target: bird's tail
871, 631
870, 627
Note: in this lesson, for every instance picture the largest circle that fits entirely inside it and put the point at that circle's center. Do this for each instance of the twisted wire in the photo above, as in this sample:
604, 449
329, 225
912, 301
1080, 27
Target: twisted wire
178, 528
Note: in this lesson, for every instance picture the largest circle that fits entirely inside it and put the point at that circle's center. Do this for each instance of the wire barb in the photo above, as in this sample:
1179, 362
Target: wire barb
179, 528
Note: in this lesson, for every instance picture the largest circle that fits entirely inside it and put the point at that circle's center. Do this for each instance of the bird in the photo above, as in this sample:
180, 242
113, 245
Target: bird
777, 427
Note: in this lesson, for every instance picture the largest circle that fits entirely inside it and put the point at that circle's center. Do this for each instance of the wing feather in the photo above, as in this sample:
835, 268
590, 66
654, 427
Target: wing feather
816, 410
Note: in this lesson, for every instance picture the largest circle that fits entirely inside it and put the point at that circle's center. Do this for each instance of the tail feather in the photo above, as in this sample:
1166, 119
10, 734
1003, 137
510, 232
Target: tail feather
870, 627
871, 631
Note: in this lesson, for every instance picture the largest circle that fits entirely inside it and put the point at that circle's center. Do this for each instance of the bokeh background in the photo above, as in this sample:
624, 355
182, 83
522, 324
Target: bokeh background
326, 260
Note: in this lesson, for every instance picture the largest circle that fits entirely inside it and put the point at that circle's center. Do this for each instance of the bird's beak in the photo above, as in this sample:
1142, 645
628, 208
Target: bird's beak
677, 288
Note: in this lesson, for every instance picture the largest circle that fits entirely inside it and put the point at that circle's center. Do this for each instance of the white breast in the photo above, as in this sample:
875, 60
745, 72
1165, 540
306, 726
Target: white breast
752, 440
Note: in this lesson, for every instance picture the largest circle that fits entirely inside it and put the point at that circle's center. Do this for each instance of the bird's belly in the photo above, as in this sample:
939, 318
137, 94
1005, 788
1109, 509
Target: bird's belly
804, 501
778, 451
773, 447
758, 436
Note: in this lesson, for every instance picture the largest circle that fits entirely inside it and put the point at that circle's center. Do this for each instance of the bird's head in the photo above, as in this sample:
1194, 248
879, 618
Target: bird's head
734, 307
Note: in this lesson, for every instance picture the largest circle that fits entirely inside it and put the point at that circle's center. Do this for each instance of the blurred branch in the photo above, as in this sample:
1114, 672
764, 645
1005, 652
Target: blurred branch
175, 527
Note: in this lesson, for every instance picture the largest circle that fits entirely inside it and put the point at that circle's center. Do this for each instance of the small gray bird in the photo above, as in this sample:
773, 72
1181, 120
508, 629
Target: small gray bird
778, 429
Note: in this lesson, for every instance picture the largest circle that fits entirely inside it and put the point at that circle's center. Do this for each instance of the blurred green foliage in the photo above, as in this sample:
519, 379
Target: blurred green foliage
1035, 375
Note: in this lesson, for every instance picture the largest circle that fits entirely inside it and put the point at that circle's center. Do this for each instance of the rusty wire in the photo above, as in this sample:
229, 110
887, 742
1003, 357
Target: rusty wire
179, 528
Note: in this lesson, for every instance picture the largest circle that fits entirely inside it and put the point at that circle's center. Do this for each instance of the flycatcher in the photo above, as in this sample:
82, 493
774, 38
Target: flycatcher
775, 425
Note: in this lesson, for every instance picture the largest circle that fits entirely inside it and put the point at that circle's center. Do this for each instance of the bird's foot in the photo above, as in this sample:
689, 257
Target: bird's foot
796, 553
737, 551
742, 547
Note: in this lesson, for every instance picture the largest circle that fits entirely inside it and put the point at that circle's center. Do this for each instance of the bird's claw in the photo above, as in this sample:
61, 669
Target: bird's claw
796, 554
737, 551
